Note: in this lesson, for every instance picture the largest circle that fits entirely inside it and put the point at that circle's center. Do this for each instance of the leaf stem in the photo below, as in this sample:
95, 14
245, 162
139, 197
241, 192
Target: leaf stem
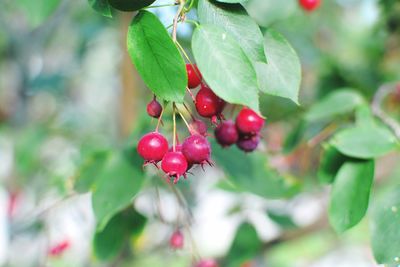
160, 118
166, 5
185, 121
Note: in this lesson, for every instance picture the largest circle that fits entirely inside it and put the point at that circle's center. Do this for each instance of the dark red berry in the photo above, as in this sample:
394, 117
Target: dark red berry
154, 108
174, 164
196, 149
199, 127
177, 240
309, 5
207, 263
249, 122
226, 133
208, 104
194, 76
152, 147
248, 143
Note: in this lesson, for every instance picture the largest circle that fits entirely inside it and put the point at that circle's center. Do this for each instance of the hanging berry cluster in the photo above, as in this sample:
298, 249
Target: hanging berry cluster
178, 159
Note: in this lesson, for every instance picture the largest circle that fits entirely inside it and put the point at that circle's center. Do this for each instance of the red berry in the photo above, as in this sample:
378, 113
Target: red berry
194, 75
177, 240
248, 143
208, 104
207, 263
196, 149
249, 122
226, 133
58, 249
152, 147
309, 5
154, 108
174, 164
199, 127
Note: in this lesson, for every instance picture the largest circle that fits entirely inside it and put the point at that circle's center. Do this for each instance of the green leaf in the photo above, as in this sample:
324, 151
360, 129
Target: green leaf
225, 66
283, 220
331, 161
350, 194
102, 7
294, 138
118, 183
234, 20
256, 177
109, 242
156, 57
89, 171
38, 11
281, 76
365, 141
339, 102
245, 246
384, 225
266, 12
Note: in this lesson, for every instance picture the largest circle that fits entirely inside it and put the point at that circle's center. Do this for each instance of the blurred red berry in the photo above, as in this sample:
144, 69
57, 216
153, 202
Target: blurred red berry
194, 75
309, 5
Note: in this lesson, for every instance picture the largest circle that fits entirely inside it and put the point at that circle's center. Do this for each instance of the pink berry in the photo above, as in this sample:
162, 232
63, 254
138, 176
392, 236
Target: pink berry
208, 104
196, 149
59, 248
199, 127
174, 164
226, 133
152, 147
177, 240
309, 5
207, 263
194, 76
248, 143
248, 122
154, 108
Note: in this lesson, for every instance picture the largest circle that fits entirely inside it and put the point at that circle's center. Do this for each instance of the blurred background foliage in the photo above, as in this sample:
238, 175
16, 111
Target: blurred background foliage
72, 108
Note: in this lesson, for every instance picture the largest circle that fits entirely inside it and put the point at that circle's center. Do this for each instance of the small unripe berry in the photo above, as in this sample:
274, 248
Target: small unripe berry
208, 104
309, 5
194, 76
196, 149
154, 108
248, 143
248, 122
152, 147
174, 164
226, 133
177, 240
199, 127
207, 263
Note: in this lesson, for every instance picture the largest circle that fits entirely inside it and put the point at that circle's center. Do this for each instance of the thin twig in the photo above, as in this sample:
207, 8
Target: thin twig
176, 19
377, 101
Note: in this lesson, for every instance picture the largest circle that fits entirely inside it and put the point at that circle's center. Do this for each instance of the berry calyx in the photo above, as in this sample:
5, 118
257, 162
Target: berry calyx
199, 127
248, 122
194, 76
207, 263
154, 108
177, 240
309, 5
208, 104
196, 149
226, 133
152, 147
174, 164
248, 143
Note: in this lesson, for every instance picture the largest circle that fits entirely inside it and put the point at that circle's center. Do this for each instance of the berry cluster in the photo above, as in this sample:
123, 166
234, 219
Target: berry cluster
178, 159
